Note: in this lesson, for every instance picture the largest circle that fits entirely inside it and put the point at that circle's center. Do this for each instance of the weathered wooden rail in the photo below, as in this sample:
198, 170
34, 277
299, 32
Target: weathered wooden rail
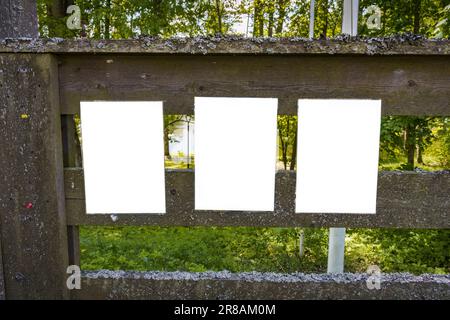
42, 189
405, 200
254, 285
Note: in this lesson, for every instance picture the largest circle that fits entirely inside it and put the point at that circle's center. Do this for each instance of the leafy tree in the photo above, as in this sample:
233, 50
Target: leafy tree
287, 135
400, 16
409, 134
52, 18
442, 28
440, 148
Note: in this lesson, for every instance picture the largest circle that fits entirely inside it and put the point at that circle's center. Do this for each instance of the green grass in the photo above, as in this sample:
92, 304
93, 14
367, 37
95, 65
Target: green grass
391, 166
169, 164
431, 163
260, 249
268, 249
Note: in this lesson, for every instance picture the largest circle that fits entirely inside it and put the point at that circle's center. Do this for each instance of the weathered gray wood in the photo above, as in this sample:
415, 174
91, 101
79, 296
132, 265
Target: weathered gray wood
2, 281
254, 285
73, 244
71, 143
407, 85
230, 45
18, 19
33, 224
71, 158
404, 200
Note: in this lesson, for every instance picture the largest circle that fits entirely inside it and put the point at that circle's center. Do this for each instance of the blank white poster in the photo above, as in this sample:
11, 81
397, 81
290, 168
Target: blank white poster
123, 157
338, 143
235, 153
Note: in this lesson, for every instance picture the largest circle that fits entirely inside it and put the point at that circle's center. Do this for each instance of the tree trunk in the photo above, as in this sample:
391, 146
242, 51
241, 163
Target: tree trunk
417, 11
108, 20
411, 153
97, 21
57, 10
166, 145
270, 28
255, 17
258, 18
283, 146
420, 155
261, 22
219, 16
281, 16
284, 149
325, 13
410, 145
294, 153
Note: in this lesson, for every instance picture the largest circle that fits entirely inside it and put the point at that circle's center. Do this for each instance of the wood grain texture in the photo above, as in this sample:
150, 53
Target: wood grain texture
407, 85
2, 280
18, 19
33, 224
404, 200
71, 158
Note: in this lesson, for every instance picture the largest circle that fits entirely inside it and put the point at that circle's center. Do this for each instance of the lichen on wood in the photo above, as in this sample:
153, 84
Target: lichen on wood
405, 44
223, 285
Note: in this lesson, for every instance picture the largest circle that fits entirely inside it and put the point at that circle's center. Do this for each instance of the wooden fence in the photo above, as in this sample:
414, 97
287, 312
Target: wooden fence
42, 189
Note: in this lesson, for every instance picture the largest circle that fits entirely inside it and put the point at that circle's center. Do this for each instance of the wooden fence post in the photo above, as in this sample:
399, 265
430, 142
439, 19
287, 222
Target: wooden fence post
2, 282
18, 19
32, 208
71, 159
32, 212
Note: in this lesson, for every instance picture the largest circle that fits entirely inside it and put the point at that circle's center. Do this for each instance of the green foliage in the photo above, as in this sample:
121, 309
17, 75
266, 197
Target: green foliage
287, 140
120, 19
391, 138
328, 18
442, 28
415, 251
409, 136
401, 16
260, 249
52, 23
439, 150
129, 18
201, 249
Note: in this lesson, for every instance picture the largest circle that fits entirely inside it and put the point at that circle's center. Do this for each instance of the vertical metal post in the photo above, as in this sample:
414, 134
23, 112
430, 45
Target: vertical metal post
336, 241
71, 158
311, 19
336, 248
350, 17
301, 244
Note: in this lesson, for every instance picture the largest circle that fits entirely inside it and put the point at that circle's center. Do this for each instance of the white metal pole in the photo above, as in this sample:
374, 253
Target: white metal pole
336, 249
311, 19
336, 241
350, 17
301, 245
355, 15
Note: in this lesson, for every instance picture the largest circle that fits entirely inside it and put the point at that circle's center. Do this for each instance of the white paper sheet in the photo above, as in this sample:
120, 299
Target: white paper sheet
338, 147
235, 145
123, 157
